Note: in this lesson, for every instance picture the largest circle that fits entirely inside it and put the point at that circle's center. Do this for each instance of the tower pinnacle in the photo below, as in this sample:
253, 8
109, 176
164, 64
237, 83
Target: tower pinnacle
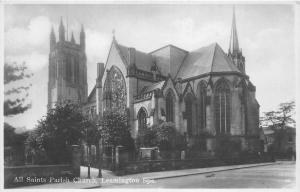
82, 38
52, 39
72, 38
61, 31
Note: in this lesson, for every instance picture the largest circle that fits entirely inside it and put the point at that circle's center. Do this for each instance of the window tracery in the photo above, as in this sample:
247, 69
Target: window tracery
222, 108
142, 120
170, 98
201, 107
114, 94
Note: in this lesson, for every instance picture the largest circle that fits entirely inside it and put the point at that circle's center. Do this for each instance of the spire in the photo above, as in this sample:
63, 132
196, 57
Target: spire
234, 42
72, 38
61, 31
52, 34
52, 39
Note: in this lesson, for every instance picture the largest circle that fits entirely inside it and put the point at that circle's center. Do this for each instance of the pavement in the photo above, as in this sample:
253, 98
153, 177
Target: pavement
111, 180
276, 176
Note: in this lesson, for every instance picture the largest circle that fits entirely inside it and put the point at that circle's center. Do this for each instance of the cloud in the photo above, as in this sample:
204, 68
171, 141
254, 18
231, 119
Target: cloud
270, 64
34, 61
34, 36
184, 25
97, 47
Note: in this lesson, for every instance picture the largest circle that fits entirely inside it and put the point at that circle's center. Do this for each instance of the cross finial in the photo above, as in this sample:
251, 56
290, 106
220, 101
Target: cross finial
114, 33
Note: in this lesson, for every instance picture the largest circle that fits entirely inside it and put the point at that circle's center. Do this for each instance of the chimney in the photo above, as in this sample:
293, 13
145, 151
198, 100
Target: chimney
100, 70
131, 56
99, 96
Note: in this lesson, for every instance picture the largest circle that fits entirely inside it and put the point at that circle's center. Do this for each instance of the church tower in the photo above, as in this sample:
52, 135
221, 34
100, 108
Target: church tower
234, 52
67, 69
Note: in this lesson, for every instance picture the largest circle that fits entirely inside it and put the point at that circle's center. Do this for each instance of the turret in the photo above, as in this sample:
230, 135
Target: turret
72, 38
82, 38
61, 31
234, 52
52, 39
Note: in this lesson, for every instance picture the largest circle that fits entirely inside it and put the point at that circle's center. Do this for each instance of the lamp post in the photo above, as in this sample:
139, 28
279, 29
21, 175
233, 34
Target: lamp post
88, 153
100, 151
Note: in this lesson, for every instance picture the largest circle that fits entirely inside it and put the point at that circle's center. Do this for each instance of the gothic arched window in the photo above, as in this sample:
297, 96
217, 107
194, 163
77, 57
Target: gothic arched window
222, 107
142, 119
114, 93
170, 100
189, 113
68, 69
201, 106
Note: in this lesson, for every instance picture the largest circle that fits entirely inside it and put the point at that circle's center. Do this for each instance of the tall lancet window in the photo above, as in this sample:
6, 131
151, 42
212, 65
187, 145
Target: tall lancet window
114, 94
189, 102
170, 100
222, 107
201, 107
142, 120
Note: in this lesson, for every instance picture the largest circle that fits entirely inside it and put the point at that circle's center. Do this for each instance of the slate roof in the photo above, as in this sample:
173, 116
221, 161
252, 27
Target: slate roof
152, 87
205, 60
143, 60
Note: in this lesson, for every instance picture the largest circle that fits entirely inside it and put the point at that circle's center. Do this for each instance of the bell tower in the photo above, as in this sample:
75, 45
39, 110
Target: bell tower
67, 69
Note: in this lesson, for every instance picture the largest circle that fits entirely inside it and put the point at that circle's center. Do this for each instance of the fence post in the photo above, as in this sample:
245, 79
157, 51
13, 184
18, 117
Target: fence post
100, 157
76, 155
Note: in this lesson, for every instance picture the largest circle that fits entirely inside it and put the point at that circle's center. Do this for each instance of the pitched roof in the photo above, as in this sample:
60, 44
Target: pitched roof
152, 87
205, 60
168, 59
168, 46
143, 60
91, 96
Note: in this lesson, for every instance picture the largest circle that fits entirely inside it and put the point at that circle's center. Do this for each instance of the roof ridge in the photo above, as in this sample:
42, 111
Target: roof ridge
179, 68
229, 60
213, 56
120, 52
168, 45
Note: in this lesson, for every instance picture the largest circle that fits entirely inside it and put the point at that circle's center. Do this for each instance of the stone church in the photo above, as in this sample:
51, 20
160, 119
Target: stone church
201, 91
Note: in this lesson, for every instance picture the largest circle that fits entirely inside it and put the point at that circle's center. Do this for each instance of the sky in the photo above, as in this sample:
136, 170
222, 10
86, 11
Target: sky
266, 36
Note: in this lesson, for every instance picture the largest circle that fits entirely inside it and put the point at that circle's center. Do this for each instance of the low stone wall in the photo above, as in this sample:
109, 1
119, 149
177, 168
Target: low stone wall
36, 174
173, 164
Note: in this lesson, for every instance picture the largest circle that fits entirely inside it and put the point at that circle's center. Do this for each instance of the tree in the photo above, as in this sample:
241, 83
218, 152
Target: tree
285, 114
162, 134
15, 143
15, 73
147, 137
63, 126
166, 135
115, 130
279, 120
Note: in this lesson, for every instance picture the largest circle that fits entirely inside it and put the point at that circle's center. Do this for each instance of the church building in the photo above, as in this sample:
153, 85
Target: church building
201, 91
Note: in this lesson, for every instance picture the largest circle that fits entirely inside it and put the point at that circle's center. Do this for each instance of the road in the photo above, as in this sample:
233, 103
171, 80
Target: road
271, 176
